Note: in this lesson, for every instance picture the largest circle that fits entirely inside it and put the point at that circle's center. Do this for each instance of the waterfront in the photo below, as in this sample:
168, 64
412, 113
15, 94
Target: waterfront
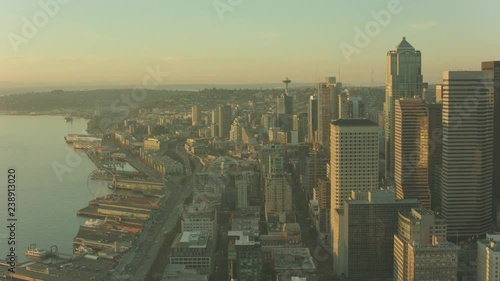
45, 206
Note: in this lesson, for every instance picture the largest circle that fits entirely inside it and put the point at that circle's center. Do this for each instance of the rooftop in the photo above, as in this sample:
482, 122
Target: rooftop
243, 238
80, 269
404, 45
292, 228
178, 272
377, 196
191, 239
293, 259
353, 122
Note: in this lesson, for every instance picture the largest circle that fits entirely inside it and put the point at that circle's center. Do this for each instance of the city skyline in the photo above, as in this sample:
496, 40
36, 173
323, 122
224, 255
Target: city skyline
237, 42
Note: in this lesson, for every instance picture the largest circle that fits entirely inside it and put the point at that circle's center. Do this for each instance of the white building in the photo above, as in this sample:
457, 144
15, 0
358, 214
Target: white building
354, 157
467, 151
200, 216
488, 258
194, 250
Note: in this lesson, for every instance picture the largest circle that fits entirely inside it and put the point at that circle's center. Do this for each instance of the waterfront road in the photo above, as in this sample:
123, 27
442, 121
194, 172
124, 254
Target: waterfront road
136, 264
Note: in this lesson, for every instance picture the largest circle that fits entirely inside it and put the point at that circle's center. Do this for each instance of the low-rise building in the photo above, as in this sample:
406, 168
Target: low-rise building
193, 249
293, 260
200, 216
245, 257
151, 144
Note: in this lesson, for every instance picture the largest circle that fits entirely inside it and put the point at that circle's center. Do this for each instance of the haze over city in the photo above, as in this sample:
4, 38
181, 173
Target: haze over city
249, 140
109, 43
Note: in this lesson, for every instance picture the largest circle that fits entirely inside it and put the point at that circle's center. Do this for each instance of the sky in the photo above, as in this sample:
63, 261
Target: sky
113, 42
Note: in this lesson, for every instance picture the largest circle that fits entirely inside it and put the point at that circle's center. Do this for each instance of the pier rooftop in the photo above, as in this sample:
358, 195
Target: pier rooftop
79, 269
100, 239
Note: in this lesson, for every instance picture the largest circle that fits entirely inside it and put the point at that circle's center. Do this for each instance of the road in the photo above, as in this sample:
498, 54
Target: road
136, 264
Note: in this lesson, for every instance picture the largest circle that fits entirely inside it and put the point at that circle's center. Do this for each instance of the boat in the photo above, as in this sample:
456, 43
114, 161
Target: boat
35, 252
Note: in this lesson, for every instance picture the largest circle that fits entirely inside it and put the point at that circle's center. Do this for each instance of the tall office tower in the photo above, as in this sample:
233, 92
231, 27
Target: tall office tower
421, 251
268, 120
312, 116
284, 104
488, 258
327, 96
225, 120
494, 66
215, 116
356, 108
214, 130
249, 181
435, 147
363, 234
265, 153
236, 131
403, 80
315, 169
278, 196
411, 158
353, 158
466, 176
343, 106
195, 115
300, 125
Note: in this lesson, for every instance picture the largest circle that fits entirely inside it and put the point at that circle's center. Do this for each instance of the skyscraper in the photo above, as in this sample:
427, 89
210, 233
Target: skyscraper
312, 118
421, 251
494, 66
284, 104
215, 116
356, 108
467, 156
353, 158
343, 105
278, 195
435, 149
195, 115
411, 141
225, 120
327, 109
403, 80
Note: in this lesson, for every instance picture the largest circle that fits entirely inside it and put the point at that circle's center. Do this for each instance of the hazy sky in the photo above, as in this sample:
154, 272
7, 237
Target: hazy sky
111, 42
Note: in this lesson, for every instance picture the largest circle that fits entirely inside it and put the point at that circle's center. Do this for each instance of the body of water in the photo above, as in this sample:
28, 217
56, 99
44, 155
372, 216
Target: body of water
46, 203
